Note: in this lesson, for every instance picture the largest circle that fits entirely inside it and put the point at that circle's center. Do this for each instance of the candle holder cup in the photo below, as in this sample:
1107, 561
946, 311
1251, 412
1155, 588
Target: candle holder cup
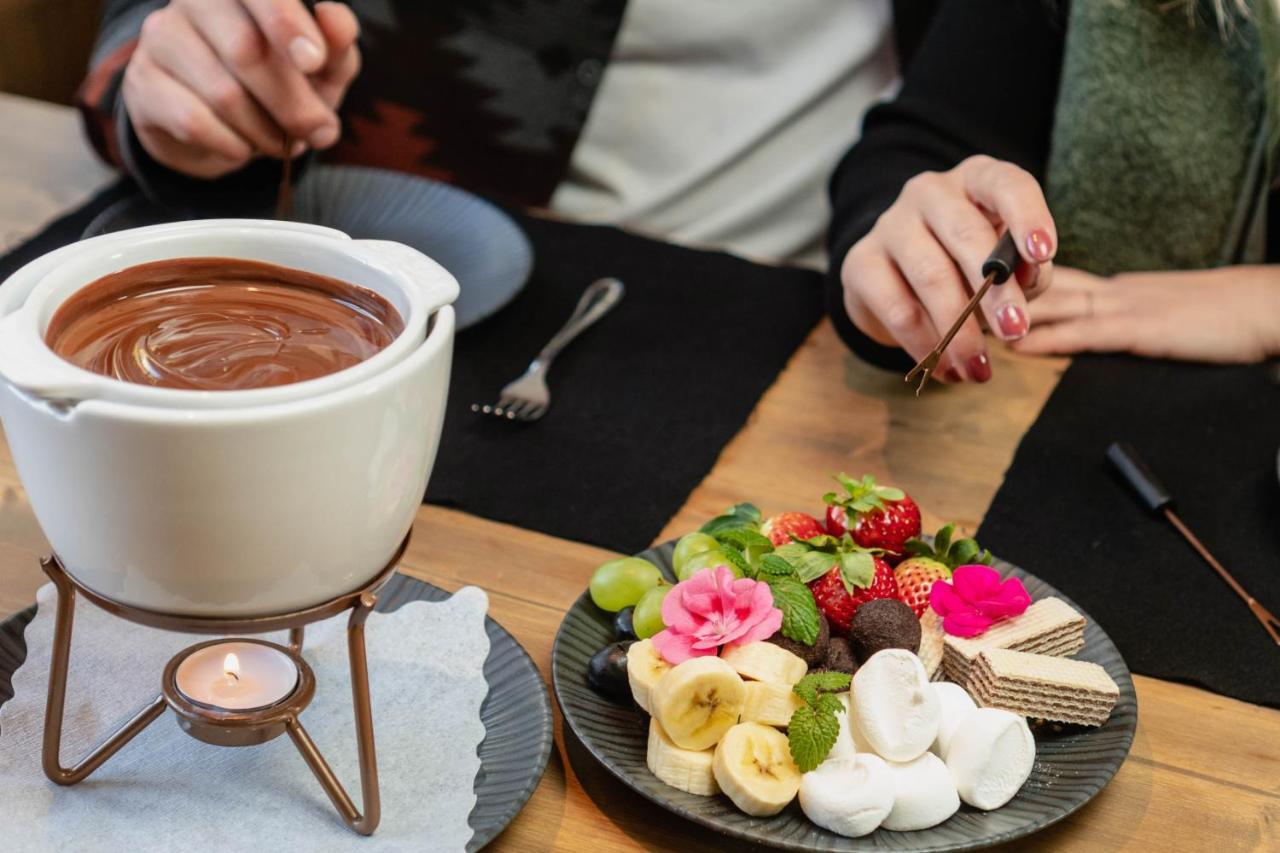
222, 726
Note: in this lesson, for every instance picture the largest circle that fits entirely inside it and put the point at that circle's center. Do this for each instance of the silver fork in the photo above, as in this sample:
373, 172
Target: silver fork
528, 398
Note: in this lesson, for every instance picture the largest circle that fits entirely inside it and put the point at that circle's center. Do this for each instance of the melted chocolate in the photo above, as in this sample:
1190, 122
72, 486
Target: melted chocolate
220, 324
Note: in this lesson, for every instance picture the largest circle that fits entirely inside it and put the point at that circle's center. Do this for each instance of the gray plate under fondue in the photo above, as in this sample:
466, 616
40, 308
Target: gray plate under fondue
1072, 763
478, 243
516, 712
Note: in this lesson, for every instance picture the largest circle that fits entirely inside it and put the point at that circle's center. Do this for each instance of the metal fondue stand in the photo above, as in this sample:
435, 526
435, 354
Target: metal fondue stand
221, 726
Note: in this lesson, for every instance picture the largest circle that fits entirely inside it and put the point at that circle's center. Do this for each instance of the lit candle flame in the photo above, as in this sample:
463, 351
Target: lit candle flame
231, 666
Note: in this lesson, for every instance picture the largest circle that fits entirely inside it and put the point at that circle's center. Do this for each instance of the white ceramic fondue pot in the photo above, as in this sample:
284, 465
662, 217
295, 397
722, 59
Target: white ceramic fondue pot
414, 284
233, 511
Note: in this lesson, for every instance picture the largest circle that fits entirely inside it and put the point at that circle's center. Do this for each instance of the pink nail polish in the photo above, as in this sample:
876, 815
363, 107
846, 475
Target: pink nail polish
1012, 321
980, 367
1039, 245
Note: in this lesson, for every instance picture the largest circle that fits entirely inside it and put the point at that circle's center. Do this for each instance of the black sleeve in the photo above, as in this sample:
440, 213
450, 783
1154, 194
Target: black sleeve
984, 81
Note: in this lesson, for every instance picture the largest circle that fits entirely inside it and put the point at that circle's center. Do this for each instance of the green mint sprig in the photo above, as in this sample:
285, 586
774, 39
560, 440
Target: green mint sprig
814, 726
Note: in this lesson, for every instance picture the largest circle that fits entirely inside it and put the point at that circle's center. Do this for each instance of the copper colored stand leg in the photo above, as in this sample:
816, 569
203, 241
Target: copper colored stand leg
365, 823
295, 638
52, 755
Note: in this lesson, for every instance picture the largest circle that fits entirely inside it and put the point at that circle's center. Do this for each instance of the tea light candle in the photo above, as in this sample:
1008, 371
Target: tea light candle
236, 675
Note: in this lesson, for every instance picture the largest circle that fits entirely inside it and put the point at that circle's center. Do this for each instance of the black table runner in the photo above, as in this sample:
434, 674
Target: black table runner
642, 403
1212, 435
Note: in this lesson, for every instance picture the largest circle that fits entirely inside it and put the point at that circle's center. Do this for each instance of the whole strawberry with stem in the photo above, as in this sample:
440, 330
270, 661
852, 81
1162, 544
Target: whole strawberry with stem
782, 527
860, 575
874, 516
929, 563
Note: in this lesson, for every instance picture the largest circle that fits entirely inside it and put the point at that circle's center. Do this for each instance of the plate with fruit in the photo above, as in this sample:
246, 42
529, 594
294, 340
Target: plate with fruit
843, 683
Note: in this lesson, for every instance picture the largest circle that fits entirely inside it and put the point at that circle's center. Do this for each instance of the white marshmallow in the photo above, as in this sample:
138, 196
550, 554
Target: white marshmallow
844, 746
895, 706
849, 796
924, 794
991, 755
954, 702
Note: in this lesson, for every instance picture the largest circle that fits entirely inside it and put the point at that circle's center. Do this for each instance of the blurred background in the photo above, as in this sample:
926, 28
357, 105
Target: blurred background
44, 46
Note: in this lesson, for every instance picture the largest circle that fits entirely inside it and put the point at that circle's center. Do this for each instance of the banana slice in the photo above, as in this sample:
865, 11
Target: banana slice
765, 662
754, 768
770, 704
686, 769
697, 701
644, 667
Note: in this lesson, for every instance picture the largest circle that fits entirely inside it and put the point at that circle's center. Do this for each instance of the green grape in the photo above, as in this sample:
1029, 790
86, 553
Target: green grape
620, 583
647, 617
753, 553
690, 544
705, 560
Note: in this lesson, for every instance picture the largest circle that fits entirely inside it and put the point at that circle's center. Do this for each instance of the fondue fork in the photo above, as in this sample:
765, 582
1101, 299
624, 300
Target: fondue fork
528, 398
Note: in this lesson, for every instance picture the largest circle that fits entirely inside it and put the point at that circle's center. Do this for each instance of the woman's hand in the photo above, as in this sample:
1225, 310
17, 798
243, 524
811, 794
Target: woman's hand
910, 277
1225, 315
215, 83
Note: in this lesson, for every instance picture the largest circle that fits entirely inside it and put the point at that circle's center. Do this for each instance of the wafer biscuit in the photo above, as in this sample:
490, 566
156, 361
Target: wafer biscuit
1043, 687
931, 638
1049, 626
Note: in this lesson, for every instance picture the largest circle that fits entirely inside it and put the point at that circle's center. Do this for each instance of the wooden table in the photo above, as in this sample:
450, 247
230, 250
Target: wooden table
1204, 770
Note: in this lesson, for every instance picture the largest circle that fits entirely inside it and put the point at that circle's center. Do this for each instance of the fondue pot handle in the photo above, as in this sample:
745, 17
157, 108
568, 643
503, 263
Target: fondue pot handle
33, 369
438, 286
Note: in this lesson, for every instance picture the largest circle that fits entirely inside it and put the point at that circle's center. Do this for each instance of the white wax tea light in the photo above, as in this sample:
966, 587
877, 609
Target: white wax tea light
236, 675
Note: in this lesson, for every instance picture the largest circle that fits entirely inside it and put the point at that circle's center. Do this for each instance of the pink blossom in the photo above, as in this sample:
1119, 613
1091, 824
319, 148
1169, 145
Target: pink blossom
712, 609
975, 599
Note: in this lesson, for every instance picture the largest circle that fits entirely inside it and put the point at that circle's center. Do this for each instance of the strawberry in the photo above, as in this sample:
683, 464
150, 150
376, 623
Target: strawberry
839, 598
883, 517
929, 563
781, 527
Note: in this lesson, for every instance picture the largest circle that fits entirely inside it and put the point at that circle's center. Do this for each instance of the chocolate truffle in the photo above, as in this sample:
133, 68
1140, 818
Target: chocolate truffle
840, 657
811, 655
884, 623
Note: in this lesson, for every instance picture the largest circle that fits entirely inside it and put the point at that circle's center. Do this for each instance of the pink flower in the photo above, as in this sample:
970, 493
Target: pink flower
712, 609
975, 598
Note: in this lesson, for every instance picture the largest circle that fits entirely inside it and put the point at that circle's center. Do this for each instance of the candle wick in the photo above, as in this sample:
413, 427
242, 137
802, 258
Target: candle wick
232, 677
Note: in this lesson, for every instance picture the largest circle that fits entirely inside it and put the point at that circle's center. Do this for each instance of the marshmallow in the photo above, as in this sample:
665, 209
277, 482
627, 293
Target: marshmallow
896, 708
990, 756
844, 746
954, 702
924, 794
849, 796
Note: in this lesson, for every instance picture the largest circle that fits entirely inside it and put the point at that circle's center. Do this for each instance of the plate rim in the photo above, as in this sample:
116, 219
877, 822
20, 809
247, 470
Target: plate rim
1127, 691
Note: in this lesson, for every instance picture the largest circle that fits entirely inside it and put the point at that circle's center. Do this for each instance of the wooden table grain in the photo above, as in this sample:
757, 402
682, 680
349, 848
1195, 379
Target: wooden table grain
1204, 772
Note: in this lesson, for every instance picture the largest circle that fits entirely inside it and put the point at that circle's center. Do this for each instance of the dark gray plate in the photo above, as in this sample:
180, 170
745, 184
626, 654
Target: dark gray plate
483, 247
1072, 764
516, 713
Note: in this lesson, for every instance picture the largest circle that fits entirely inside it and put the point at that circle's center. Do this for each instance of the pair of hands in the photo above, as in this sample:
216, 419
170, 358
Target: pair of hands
908, 279
213, 84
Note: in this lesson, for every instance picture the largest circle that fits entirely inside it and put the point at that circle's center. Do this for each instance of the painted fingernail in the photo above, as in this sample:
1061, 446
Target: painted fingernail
979, 367
1039, 245
1012, 321
306, 54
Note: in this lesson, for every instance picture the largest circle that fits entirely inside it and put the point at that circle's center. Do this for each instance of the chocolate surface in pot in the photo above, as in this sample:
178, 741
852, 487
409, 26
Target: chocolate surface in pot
220, 324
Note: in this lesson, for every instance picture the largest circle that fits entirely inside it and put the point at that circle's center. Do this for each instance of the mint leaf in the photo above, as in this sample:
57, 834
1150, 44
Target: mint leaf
822, 542
825, 682
792, 551
749, 511
814, 565
857, 570
744, 539
744, 515
806, 690
799, 610
739, 562
810, 736
829, 703
775, 566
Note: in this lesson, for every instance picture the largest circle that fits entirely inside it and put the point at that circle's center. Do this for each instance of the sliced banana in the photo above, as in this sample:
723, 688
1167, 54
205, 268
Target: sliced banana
770, 704
765, 662
754, 769
686, 769
644, 667
697, 701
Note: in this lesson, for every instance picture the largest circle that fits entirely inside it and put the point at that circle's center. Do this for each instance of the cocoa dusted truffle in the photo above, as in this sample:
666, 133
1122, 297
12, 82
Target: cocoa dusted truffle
884, 623
811, 655
840, 657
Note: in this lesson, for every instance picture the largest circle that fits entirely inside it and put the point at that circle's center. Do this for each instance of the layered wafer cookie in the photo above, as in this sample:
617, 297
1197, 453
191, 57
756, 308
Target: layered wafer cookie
1050, 626
931, 638
1043, 687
